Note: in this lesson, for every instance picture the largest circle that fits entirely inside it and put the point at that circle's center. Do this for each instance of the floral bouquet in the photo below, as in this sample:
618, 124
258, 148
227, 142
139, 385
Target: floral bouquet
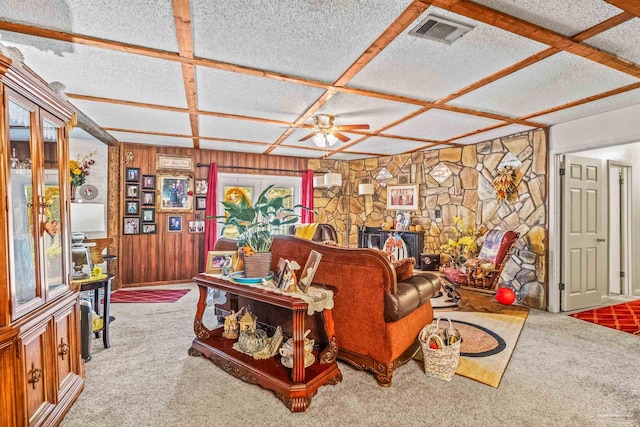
79, 168
464, 245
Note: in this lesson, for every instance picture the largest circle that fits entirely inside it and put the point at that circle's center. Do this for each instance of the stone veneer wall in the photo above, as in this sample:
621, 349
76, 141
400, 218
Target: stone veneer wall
467, 193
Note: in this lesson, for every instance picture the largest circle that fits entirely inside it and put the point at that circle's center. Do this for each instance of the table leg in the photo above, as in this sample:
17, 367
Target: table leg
297, 374
105, 313
198, 328
96, 307
329, 354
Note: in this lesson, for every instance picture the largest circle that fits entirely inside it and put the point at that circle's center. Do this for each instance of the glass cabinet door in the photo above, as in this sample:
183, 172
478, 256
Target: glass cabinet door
51, 207
22, 201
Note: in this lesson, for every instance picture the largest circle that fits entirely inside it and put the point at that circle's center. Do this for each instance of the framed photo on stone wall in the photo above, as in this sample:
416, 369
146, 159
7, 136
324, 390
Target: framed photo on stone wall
402, 197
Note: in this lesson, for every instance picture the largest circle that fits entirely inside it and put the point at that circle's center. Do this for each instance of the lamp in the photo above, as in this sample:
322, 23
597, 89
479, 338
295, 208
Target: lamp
365, 188
332, 179
89, 218
324, 140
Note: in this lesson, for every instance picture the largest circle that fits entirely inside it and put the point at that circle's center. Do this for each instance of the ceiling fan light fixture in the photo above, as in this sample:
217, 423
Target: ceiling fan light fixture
324, 140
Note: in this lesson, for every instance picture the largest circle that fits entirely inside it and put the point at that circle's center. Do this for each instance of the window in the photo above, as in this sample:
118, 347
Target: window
231, 187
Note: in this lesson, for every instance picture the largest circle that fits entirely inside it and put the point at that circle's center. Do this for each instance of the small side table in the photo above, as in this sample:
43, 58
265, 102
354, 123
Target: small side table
95, 285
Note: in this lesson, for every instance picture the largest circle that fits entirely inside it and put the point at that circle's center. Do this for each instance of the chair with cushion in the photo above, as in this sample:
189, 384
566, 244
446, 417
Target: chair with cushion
315, 231
483, 272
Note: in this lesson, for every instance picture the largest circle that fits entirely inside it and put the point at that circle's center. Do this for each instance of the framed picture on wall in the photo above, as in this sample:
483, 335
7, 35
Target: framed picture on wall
132, 191
402, 197
131, 226
201, 187
172, 162
148, 215
201, 203
149, 228
132, 208
148, 182
196, 226
148, 198
174, 223
132, 174
175, 193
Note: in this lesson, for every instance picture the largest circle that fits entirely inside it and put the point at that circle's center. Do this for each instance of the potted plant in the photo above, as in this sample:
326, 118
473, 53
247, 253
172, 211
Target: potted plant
256, 225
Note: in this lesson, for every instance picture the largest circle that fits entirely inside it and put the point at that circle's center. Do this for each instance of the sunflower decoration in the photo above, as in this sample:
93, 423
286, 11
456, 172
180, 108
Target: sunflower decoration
235, 194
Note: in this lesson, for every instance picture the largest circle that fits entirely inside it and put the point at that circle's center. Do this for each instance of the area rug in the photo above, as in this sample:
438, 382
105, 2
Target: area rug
623, 317
488, 336
148, 295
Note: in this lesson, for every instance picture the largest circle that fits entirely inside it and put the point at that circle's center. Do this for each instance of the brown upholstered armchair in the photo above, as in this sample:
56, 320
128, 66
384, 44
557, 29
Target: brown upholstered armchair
496, 251
377, 316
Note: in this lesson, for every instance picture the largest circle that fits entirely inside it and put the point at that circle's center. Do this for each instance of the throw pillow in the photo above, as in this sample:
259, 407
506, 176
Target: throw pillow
404, 268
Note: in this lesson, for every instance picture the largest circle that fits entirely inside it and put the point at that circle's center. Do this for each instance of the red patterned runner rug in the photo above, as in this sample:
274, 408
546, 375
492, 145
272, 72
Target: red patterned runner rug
623, 317
148, 295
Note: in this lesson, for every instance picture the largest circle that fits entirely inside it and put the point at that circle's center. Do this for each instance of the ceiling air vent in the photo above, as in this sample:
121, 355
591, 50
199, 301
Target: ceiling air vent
440, 29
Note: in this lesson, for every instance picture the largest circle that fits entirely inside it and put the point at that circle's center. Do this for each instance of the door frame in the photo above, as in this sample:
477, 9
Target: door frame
626, 223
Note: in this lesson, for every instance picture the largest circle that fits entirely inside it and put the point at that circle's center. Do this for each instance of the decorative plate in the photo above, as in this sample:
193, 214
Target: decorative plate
238, 277
88, 192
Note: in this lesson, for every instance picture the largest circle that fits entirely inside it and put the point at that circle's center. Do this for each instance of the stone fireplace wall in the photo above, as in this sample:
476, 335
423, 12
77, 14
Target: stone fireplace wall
468, 193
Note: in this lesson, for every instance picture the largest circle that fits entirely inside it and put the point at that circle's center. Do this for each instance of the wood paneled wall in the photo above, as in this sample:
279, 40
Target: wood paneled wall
148, 259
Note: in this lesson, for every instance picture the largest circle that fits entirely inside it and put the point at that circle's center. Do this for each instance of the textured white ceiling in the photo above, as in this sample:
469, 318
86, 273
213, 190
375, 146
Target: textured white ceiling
139, 138
554, 81
252, 96
492, 134
347, 156
380, 145
567, 17
440, 125
232, 146
312, 39
623, 40
427, 69
124, 117
140, 22
616, 102
101, 72
218, 127
319, 40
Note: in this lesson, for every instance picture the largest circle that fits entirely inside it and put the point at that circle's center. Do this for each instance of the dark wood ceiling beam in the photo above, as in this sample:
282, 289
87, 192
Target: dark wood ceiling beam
182, 19
632, 6
86, 124
535, 32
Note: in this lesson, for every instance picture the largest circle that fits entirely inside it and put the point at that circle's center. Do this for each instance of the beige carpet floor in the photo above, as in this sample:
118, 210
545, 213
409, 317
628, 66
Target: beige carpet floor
563, 372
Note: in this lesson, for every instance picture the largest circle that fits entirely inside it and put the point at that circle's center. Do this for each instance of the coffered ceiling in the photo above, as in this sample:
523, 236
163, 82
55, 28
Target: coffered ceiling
241, 75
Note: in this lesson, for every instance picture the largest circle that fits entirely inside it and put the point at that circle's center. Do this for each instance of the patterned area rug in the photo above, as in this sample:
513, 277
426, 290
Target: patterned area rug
489, 332
623, 317
148, 295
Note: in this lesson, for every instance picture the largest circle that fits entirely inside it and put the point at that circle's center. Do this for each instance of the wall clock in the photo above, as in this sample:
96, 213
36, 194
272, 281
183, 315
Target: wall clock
88, 192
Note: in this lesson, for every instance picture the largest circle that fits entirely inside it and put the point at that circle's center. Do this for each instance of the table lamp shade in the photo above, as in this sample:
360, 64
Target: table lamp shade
87, 217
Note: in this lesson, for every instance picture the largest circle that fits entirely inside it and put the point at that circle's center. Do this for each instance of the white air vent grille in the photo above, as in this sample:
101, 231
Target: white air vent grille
440, 29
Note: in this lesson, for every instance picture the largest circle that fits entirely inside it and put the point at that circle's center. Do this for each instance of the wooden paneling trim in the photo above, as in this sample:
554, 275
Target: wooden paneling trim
603, 26
127, 103
535, 32
114, 226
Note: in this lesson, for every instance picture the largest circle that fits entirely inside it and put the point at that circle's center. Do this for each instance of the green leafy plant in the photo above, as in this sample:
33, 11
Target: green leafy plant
257, 223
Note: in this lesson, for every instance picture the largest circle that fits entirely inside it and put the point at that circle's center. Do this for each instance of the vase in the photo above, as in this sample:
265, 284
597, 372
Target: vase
72, 195
257, 264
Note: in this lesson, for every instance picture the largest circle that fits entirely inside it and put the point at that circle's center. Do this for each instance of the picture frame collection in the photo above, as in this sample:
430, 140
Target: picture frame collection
171, 192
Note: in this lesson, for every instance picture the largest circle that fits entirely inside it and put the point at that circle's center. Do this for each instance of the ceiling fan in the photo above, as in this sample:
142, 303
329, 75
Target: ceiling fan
326, 133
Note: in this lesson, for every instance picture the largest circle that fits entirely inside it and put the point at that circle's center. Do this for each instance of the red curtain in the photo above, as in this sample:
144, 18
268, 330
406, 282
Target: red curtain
307, 196
211, 225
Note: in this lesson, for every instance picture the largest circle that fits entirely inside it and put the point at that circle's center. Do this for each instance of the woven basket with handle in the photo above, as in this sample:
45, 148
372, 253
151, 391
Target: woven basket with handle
443, 361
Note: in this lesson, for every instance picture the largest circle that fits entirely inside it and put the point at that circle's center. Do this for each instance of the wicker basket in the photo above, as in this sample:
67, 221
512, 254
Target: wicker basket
443, 361
257, 265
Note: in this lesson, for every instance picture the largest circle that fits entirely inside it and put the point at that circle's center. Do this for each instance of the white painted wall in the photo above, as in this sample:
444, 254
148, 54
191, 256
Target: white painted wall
80, 145
618, 130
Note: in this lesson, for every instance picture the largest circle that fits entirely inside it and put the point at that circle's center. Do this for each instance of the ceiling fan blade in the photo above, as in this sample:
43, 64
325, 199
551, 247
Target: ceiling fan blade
341, 137
360, 126
307, 137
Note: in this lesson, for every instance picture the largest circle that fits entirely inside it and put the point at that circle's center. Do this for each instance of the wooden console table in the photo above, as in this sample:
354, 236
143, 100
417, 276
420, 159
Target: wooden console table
294, 387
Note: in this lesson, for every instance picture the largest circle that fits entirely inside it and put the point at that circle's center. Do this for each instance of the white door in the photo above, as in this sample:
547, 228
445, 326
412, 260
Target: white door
584, 247
615, 213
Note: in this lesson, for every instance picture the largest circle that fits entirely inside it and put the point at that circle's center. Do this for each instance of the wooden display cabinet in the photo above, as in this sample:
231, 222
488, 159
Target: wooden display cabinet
41, 369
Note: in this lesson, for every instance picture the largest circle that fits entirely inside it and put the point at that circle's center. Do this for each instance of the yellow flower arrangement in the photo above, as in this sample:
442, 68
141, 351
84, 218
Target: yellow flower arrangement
79, 168
463, 244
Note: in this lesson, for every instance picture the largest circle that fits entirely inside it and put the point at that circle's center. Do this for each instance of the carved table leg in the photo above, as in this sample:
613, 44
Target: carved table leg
198, 328
297, 374
329, 354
